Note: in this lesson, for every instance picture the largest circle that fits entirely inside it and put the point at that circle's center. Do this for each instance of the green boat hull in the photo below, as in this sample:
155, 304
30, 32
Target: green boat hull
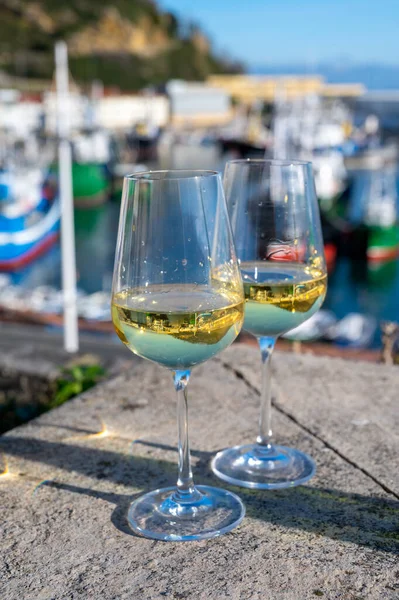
383, 243
90, 184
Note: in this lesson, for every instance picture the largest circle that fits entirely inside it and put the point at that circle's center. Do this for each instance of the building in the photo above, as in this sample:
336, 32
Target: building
123, 112
197, 104
248, 89
18, 115
110, 111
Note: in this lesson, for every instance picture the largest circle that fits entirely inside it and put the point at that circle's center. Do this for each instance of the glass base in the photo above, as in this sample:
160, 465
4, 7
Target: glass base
160, 515
264, 468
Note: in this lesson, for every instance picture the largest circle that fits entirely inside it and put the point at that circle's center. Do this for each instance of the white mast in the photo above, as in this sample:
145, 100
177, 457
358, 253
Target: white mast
71, 334
280, 125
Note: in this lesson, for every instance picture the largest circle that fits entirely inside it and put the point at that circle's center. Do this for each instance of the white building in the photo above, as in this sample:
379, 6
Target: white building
18, 117
110, 112
78, 107
123, 112
198, 104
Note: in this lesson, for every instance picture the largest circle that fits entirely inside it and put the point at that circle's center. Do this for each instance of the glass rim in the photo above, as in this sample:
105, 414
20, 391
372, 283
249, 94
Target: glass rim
277, 162
177, 174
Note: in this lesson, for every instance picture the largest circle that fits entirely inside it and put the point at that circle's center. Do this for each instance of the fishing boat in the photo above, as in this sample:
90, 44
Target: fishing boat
314, 328
91, 151
381, 218
144, 140
354, 330
90, 184
118, 172
242, 147
246, 136
331, 178
372, 157
29, 217
383, 243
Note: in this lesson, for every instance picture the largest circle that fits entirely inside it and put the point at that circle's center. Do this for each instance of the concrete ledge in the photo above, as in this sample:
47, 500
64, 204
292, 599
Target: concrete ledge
70, 476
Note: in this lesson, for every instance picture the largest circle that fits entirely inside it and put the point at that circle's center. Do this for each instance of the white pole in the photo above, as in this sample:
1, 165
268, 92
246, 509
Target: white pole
71, 334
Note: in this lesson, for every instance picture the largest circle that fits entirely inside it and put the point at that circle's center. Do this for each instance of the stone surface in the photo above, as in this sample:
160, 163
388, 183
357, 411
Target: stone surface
70, 476
353, 407
33, 350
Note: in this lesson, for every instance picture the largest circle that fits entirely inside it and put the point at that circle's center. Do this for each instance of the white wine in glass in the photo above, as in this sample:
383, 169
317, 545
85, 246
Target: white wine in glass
282, 296
178, 300
276, 226
196, 325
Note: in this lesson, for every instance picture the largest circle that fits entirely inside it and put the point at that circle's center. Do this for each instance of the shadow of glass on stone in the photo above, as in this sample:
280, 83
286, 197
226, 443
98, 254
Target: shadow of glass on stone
63, 426
362, 520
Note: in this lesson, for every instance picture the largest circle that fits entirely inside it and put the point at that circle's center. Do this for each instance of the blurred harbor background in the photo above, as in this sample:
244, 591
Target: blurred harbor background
147, 90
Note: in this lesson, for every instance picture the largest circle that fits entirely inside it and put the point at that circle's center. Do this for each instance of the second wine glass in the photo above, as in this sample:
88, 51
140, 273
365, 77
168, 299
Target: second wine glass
276, 224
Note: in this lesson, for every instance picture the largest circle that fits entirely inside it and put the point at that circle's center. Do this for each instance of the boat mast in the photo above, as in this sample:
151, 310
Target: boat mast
71, 334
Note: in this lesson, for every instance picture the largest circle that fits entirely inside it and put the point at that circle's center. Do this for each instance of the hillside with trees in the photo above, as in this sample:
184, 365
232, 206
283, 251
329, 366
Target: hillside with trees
128, 44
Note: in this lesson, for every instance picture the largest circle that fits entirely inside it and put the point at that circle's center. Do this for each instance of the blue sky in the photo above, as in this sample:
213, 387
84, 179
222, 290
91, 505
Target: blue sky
292, 31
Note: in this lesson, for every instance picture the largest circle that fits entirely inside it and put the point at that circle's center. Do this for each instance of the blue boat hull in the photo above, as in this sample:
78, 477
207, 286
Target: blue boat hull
19, 248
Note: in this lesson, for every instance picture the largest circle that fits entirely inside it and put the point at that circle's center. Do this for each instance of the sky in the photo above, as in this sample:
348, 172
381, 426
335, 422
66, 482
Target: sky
263, 32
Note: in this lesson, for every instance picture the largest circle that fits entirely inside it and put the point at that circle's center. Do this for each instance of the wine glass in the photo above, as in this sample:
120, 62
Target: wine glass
178, 300
276, 223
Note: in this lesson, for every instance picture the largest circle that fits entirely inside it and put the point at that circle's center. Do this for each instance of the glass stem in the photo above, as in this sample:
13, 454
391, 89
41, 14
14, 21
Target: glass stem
264, 438
185, 489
